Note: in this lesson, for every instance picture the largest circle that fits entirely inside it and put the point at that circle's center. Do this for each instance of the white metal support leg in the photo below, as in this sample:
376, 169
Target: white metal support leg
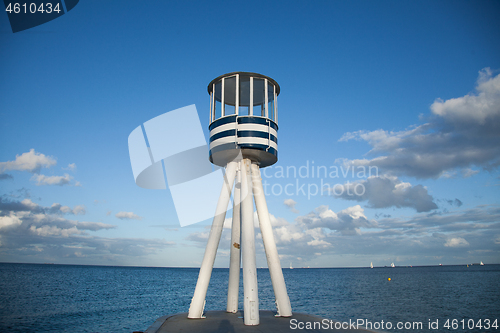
234, 252
200, 292
273, 260
251, 297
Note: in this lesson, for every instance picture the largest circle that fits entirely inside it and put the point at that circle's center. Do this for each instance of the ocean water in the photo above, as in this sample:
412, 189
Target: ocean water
67, 298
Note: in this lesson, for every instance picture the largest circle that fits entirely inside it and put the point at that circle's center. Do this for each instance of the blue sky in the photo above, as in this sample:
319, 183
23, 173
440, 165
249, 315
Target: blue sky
409, 88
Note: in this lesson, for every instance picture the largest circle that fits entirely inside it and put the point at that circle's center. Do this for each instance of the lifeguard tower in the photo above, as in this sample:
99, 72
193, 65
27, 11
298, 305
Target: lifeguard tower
243, 138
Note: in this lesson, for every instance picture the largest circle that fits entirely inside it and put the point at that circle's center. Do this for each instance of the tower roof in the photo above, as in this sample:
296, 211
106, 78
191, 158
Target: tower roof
257, 75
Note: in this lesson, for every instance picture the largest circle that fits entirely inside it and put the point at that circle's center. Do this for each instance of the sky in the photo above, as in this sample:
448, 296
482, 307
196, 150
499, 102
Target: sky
389, 129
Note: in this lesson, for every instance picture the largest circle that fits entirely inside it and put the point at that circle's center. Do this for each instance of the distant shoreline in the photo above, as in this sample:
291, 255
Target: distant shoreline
285, 268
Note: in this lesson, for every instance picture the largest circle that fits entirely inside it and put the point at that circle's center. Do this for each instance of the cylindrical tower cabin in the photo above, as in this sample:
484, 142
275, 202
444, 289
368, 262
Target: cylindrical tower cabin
243, 116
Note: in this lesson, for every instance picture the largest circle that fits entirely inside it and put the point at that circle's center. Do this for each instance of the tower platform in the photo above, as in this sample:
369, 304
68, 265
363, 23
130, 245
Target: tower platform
225, 322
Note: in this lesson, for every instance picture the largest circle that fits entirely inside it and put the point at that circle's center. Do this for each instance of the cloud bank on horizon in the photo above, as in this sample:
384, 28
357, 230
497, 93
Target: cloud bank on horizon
28, 230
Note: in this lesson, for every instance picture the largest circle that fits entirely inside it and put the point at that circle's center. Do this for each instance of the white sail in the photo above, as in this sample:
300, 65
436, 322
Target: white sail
371, 265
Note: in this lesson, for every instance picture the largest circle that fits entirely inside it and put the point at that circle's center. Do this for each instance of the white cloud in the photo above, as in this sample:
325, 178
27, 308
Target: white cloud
30, 205
30, 161
347, 221
200, 237
386, 191
288, 234
127, 216
290, 203
462, 133
79, 210
64, 209
468, 172
71, 166
477, 108
52, 230
319, 243
456, 242
27, 205
93, 226
9, 221
33, 162
52, 180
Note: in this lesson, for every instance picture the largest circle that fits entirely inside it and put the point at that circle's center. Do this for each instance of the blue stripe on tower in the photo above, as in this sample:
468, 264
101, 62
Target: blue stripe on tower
222, 134
257, 120
255, 134
222, 121
259, 147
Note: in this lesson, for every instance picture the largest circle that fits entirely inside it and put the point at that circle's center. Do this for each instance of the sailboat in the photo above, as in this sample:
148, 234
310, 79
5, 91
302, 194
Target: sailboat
291, 266
392, 265
371, 265
481, 263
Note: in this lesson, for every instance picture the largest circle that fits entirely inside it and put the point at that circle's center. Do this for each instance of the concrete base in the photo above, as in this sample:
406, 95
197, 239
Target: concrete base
224, 322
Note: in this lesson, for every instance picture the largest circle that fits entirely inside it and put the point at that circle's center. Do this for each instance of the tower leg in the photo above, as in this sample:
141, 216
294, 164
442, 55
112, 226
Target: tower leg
200, 292
273, 260
251, 297
234, 252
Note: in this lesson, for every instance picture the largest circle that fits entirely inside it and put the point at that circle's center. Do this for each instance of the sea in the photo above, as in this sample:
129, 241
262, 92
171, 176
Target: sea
72, 298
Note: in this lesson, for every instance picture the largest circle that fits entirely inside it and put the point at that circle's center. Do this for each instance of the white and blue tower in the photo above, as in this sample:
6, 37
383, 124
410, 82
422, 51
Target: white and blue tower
243, 139
243, 116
